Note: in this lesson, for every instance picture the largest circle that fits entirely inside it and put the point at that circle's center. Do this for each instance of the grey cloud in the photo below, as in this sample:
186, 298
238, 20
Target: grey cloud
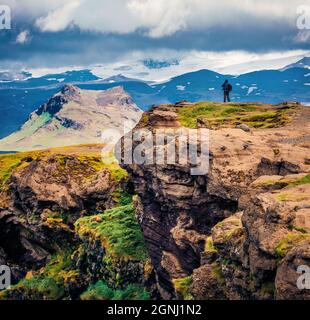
223, 25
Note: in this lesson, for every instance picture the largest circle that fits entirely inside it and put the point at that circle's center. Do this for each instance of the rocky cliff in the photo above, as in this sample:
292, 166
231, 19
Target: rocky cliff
241, 230
74, 225
68, 229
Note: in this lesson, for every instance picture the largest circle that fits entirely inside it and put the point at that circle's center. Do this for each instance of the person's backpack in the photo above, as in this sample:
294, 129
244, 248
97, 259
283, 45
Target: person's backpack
229, 87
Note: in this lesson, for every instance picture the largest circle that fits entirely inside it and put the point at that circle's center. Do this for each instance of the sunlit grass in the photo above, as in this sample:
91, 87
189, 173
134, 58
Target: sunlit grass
221, 115
118, 231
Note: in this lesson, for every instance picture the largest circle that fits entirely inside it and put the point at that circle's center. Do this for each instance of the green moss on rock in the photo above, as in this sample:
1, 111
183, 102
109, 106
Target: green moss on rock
209, 246
49, 283
118, 231
217, 273
182, 287
289, 242
121, 197
36, 288
101, 291
302, 181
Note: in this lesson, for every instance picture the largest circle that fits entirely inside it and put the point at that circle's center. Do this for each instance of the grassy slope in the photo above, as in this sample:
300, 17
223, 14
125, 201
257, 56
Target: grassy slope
85, 153
218, 115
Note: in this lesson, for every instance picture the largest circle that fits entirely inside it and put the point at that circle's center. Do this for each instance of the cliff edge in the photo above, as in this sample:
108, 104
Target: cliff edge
242, 230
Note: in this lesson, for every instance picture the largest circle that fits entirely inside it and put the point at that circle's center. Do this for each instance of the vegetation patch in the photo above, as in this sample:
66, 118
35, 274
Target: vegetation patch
299, 182
89, 156
218, 115
209, 246
227, 229
217, 274
60, 269
118, 231
182, 287
49, 283
291, 196
278, 182
8, 163
144, 119
101, 291
117, 173
36, 288
121, 197
289, 242
296, 228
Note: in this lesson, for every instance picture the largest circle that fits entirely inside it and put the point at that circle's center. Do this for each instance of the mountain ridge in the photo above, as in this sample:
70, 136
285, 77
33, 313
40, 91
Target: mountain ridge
269, 86
74, 116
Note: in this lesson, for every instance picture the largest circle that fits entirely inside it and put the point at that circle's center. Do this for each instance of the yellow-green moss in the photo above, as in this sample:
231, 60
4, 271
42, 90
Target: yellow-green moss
59, 268
49, 283
8, 163
36, 288
90, 155
297, 228
230, 227
182, 287
283, 197
209, 246
222, 115
289, 242
291, 196
281, 182
144, 119
302, 181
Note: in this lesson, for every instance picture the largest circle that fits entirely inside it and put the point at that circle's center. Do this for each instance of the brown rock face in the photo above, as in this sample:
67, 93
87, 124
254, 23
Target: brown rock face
21, 246
73, 186
45, 197
221, 228
286, 274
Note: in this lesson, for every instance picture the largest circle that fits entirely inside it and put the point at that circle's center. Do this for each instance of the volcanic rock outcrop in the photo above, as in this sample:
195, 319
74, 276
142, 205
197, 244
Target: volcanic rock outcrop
241, 230
68, 229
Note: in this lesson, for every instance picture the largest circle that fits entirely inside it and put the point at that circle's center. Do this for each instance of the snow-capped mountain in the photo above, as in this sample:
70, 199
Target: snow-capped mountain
303, 63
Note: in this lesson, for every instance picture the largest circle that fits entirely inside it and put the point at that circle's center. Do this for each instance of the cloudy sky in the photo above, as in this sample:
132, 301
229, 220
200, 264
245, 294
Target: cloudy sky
50, 34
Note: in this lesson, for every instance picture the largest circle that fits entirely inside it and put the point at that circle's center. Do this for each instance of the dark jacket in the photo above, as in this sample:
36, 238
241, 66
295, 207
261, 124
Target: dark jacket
226, 86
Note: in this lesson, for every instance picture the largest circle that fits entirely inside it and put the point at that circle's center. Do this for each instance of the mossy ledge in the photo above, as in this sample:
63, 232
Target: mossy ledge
289, 242
217, 115
52, 282
88, 155
101, 291
182, 287
118, 231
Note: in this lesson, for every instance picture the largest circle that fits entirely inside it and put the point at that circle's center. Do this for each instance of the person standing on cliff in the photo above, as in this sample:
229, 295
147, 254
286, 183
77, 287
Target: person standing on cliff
227, 88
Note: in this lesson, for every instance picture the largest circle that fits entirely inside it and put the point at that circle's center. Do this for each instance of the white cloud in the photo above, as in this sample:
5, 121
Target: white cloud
156, 18
223, 62
23, 37
58, 19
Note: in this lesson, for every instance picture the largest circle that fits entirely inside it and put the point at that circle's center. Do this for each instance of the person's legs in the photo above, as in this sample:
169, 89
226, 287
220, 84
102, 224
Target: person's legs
228, 97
